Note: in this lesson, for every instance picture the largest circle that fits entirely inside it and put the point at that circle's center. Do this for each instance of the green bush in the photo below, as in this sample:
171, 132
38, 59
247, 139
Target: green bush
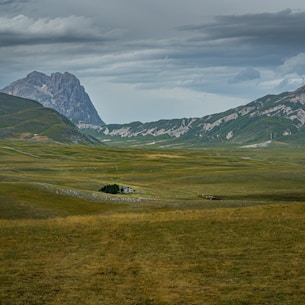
110, 188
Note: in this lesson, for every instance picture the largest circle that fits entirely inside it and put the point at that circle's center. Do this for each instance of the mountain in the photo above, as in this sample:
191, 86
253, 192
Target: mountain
27, 119
62, 92
272, 117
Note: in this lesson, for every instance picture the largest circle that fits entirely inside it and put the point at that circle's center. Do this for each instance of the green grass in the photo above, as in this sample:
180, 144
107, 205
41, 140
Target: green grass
27, 119
62, 242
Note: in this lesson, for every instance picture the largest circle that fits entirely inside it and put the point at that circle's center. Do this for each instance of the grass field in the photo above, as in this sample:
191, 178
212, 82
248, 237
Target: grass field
63, 242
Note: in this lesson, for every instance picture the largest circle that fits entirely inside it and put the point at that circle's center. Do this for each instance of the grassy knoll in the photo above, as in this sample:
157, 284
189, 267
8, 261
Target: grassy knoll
62, 242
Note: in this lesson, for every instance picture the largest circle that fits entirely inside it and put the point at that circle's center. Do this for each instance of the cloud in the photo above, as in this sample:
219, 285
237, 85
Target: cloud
245, 75
6, 2
278, 28
289, 84
12, 6
196, 56
294, 64
22, 30
219, 59
258, 41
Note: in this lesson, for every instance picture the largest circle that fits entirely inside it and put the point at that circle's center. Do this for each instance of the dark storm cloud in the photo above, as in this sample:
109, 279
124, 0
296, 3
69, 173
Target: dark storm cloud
282, 28
22, 30
258, 40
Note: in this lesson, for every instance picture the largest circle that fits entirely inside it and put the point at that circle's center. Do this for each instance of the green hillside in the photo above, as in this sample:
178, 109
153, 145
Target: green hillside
27, 119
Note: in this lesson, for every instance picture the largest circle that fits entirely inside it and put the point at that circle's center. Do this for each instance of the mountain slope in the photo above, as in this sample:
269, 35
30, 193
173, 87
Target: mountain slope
273, 117
62, 92
27, 119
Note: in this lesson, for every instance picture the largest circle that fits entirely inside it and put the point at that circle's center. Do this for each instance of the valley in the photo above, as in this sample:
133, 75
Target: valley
63, 242
152, 153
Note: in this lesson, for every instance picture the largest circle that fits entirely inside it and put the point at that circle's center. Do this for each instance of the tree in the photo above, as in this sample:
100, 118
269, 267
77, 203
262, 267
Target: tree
110, 188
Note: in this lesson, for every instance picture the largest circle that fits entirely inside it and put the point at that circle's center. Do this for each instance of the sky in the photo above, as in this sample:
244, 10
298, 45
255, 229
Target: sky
143, 60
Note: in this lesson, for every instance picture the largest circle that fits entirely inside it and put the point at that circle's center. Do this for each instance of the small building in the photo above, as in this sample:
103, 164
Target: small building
127, 190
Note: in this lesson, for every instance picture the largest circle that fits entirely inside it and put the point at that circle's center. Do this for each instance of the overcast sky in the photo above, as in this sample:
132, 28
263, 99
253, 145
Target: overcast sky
143, 60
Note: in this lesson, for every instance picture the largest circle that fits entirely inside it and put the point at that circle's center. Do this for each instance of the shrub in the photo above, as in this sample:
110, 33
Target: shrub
110, 188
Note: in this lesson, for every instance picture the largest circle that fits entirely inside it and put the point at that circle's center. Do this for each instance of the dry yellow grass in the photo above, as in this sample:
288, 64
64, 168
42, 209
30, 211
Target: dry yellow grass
164, 155
251, 255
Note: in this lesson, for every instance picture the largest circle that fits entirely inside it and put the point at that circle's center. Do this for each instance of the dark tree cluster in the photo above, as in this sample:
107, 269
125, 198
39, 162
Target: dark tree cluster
110, 188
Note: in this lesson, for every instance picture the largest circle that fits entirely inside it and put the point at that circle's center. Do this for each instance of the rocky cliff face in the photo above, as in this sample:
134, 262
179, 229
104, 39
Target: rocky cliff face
62, 92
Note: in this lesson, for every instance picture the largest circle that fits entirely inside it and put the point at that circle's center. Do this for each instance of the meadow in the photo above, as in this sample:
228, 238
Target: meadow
63, 242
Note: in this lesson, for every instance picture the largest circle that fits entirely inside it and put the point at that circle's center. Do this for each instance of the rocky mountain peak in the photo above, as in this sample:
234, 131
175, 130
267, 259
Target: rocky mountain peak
60, 91
35, 74
64, 78
36, 78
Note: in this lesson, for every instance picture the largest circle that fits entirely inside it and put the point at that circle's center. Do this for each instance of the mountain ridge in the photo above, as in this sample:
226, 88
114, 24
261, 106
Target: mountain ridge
62, 92
278, 117
272, 117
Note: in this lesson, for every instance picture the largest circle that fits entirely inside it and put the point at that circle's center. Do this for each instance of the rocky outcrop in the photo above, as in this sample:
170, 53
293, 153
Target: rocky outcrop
62, 92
